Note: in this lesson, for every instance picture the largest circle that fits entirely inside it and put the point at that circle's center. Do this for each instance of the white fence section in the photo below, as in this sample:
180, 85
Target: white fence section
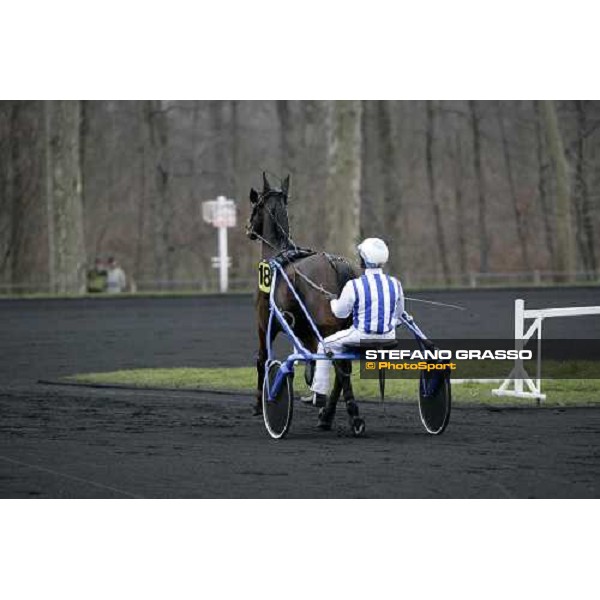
518, 378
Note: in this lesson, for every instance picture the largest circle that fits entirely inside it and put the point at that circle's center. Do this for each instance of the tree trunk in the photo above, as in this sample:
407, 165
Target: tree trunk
542, 194
233, 179
27, 224
481, 199
458, 177
565, 255
440, 239
156, 120
285, 131
519, 217
388, 165
288, 146
5, 190
342, 199
313, 138
142, 193
585, 225
66, 246
373, 165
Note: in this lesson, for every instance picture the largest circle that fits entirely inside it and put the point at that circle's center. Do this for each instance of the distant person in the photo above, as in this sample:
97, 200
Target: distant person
116, 281
97, 277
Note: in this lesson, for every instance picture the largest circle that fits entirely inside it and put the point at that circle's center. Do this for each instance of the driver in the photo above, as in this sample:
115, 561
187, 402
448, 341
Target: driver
376, 302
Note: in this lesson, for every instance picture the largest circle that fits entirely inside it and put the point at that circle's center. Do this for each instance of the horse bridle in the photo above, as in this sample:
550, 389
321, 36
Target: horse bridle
260, 203
288, 238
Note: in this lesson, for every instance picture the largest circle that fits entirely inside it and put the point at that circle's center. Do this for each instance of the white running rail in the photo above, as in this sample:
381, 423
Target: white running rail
514, 384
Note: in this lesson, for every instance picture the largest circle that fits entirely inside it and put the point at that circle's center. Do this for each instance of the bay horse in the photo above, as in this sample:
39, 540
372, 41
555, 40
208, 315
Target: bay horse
316, 276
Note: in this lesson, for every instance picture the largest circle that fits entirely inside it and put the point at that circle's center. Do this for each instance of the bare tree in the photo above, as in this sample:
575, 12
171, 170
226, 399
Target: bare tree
565, 255
27, 217
162, 211
389, 175
517, 208
583, 212
66, 247
541, 183
309, 189
447, 167
5, 190
286, 127
373, 215
481, 199
142, 190
343, 125
440, 238
458, 178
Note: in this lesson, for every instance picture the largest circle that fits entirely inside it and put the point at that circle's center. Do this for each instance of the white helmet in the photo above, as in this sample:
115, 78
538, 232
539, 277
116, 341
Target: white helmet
374, 252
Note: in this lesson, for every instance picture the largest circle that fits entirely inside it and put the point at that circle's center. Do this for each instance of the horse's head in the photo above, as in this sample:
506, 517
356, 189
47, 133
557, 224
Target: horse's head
269, 219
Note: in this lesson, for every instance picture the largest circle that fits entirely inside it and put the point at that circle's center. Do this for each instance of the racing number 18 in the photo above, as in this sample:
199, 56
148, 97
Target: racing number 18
264, 277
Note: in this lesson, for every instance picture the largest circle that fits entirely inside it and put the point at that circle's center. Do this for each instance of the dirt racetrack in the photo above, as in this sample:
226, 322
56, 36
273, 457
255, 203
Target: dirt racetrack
79, 442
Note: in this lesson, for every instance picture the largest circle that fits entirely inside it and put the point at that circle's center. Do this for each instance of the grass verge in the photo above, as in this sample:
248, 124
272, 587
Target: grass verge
560, 392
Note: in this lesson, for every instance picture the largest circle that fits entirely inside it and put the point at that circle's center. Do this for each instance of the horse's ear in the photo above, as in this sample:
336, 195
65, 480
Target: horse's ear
285, 186
253, 196
266, 184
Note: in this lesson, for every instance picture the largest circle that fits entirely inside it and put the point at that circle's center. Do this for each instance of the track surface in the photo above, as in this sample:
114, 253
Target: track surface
76, 442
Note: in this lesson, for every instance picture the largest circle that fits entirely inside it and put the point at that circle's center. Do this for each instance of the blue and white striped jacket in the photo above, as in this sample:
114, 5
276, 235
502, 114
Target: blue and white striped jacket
375, 300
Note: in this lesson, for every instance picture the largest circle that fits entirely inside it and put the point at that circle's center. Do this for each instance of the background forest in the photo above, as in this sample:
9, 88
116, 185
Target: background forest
465, 192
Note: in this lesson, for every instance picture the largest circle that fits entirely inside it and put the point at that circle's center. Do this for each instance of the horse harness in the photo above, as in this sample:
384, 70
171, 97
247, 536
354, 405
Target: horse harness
292, 253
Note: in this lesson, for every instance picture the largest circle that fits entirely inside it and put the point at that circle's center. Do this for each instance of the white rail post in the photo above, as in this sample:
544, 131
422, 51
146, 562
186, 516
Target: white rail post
518, 376
223, 256
519, 330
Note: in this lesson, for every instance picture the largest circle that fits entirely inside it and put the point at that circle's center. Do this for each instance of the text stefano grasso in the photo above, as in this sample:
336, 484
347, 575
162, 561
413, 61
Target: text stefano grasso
438, 354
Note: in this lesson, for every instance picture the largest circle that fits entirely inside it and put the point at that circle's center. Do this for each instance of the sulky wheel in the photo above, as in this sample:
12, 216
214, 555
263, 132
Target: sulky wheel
277, 412
435, 401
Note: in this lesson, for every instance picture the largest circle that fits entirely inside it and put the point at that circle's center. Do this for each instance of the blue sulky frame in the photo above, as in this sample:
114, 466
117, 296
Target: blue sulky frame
301, 353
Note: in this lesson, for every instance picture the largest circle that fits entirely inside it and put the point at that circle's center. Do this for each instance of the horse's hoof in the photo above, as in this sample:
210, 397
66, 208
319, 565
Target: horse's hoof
325, 420
358, 427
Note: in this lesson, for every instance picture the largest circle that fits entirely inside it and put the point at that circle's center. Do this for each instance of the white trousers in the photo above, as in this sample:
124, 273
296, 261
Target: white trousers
335, 343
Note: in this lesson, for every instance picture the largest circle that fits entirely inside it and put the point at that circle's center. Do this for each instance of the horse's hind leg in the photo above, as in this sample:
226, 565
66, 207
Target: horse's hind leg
346, 366
351, 405
343, 369
327, 413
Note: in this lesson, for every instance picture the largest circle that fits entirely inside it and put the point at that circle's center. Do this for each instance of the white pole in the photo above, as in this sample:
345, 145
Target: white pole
223, 266
519, 326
